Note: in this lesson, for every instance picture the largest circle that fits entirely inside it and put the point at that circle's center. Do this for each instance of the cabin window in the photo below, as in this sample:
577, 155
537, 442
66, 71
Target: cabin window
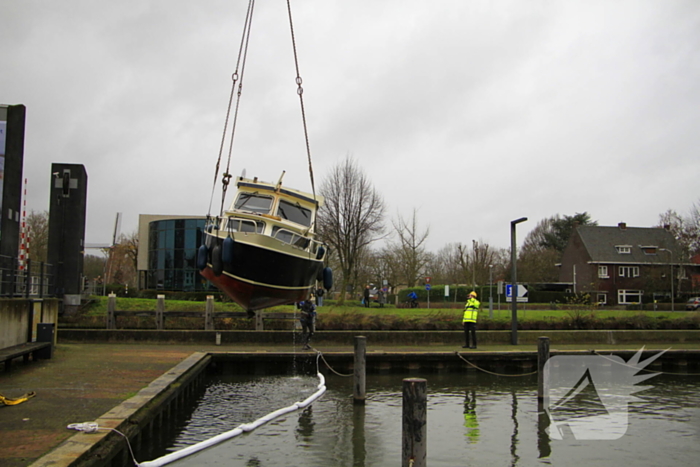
603, 272
290, 237
294, 212
240, 225
254, 202
628, 271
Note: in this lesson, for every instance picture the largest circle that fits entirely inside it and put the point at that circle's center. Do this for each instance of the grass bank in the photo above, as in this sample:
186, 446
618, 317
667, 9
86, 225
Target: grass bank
356, 317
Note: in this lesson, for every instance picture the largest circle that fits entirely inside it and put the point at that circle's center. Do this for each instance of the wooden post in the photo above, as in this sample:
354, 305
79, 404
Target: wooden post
160, 310
259, 326
209, 314
359, 392
111, 307
542, 357
414, 426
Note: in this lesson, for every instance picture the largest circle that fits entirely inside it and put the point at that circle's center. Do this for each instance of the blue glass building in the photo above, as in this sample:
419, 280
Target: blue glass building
169, 261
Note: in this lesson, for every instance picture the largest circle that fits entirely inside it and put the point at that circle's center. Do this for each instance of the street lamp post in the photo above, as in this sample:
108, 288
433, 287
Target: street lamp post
671, 255
490, 291
514, 283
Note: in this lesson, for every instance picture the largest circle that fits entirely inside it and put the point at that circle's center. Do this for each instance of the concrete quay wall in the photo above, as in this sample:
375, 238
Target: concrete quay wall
401, 338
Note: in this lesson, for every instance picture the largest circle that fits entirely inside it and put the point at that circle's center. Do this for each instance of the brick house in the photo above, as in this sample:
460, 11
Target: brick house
621, 265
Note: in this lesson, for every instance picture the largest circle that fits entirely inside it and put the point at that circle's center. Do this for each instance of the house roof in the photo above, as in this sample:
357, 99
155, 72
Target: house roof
602, 244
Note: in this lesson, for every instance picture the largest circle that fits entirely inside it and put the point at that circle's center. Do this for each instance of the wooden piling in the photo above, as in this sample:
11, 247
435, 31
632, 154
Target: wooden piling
542, 357
209, 314
414, 426
359, 378
160, 310
111, 307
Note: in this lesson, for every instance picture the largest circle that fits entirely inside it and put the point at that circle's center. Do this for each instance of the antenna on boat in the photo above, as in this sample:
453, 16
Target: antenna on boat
279, 182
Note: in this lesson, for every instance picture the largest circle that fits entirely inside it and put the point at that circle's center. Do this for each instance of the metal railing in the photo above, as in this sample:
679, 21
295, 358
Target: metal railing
32, 279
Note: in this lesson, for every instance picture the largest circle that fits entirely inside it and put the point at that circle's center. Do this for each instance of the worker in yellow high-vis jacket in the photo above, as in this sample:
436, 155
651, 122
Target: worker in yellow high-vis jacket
471, 312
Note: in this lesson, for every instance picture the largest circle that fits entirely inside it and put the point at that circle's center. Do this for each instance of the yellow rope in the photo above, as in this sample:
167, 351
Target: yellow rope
491, 372
16, 400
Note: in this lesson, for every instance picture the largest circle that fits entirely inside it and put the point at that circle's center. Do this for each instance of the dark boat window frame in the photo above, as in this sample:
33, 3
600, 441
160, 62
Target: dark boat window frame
236, 224
294, 212
287, 236
250, 202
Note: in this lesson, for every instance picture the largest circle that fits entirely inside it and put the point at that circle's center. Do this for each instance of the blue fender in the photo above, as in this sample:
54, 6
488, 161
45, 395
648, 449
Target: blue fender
217, 264
327, 278
202, 254
320, 252
227, 251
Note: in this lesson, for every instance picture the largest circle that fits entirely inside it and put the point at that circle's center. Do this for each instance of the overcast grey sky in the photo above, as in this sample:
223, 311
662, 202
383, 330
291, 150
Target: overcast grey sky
472, 112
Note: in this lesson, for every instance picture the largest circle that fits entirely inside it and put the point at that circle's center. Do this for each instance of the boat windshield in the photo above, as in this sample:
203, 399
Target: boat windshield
254, 202
294, 212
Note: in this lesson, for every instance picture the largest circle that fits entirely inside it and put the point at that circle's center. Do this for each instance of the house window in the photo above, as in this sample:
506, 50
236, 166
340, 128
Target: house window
628, 271
624, 249
601, 299
649, 250
603, 272
627, 297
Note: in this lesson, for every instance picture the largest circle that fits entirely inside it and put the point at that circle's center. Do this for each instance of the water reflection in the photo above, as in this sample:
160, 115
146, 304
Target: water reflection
472, 420
359, 451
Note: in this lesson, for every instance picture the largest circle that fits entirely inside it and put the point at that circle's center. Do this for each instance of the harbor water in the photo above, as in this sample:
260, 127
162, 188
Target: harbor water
473, 419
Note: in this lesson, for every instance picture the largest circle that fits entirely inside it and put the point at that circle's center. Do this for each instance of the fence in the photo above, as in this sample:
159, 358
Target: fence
160, 315
33, 279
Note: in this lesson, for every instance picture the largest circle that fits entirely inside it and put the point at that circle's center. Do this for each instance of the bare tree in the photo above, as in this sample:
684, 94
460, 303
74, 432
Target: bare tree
410, 250
38, 235
351, 218
685, 229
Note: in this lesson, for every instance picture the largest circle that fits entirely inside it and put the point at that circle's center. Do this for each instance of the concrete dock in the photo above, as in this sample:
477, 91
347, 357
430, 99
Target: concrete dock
83, 381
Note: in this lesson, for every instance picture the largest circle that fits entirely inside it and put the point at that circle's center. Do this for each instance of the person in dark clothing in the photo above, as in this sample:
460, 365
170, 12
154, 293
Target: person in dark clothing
412, 299
366, 296
308, 322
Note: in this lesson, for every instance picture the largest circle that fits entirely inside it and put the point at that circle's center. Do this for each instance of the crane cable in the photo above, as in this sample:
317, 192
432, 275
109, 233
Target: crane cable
300, 93
237, 79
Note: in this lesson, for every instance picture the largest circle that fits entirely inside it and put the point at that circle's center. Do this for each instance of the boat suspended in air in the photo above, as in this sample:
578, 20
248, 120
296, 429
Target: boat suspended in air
263, 251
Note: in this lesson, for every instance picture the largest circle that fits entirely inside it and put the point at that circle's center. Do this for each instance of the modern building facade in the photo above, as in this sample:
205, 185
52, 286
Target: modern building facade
168, 261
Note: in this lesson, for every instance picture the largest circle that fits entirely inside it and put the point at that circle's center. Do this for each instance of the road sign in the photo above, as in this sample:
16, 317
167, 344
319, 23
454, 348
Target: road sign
427, 280
427, 286
521, 293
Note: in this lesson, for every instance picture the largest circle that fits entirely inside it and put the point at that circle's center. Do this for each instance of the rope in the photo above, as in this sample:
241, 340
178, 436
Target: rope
93, 427
16, 400
240, 429
491, 372
330, 367
645, 369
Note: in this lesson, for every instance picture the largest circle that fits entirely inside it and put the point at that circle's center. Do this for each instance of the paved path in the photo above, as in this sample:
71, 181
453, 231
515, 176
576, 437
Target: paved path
83, 381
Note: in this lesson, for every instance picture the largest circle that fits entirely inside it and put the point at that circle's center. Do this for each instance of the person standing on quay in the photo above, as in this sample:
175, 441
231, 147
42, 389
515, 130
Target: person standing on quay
471, 313
308, 322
